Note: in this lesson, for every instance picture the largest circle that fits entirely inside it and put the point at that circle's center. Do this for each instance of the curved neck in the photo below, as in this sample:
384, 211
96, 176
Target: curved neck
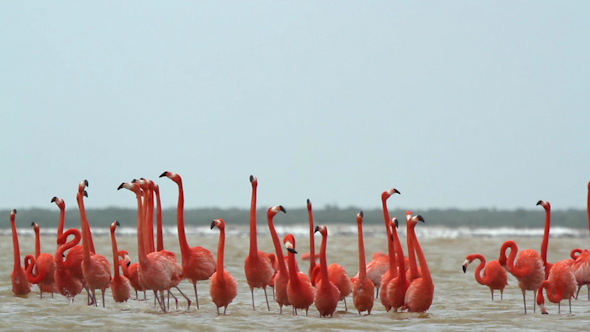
115, 253
387, 221
518, 273
184, 248
29, 271
478, 277
253, 242
15, 245
323, 262
125, 268
220, 252
62, 220
278, 249
293, 277
362, 259
160, 235
545, 242
423, 264
401, 263
311, 240
66, 246
86, 237
554, 294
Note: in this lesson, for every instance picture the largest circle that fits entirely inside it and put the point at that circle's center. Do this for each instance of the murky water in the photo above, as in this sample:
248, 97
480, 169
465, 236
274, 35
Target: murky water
460, 303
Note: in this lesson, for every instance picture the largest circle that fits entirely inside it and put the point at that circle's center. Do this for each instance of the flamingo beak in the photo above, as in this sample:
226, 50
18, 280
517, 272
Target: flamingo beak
121, 186
86, 183
282, 209
117, 223
212, 224
53, 199
291, 250
317, 229
419, 217
539, 202
396, 223
163, 174
464, 269
85, 194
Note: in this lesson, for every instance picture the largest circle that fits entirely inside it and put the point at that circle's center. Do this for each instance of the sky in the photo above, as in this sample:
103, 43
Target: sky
457, 104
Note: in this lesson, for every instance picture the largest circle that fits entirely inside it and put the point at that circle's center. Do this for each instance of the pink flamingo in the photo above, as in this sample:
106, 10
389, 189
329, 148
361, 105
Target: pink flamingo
96, 268
528, 268
43, 261
545, 242
397, 287
282, 275
257, 267
20, 284
197, 262
327, 294
299, 288
363, 289
120, 285
421, 291
312, 255
67, 285
223, 286
75, 255
581, 266
494, 275
560, 285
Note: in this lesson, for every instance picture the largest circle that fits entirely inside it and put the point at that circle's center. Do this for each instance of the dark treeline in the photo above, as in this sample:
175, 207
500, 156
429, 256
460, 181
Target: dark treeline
329, 215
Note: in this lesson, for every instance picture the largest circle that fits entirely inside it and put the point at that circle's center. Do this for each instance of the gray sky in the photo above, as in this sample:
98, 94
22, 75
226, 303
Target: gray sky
457, 104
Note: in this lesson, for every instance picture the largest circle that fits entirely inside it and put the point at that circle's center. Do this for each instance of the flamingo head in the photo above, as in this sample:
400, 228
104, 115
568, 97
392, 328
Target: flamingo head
413, 220
394, 222
465, 264
254, 181
114, 225
359, 217
274, 210
85, 194
219, 223
59, 202
289, 242
172, 176
541, 298
35, 227
545, 205
82, 185
386, 194
322, 229
142, 183
130, 186
308, 205
13, 213
408, 215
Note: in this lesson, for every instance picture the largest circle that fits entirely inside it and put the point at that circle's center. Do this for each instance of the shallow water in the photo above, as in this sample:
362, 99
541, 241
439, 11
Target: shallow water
460, 303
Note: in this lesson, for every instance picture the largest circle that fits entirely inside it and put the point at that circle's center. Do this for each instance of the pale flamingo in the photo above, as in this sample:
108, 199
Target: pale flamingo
95, 267
397, 286
120, 286
560, 285
257, 266
494, 275
67, 285
581, 266
299, 288
158, 271
223, 286
528, 268
20, 284
327, 294
421, 291
363, 289
312, 255
197, 262
392, 271
45, 261
282, 275
545, 243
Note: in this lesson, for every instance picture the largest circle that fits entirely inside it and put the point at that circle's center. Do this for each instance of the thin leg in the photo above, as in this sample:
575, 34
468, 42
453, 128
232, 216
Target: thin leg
196, 294
501, 294
136, 297
492, 294
217, 310
103, 304
267, 305
175, 299
144, 296
377, 295
345, 306
252, 290
570, 305
280, 309
224, 309
578, 292
94, 297
524, 299
186, 297
162, 302
559, 308
534, 303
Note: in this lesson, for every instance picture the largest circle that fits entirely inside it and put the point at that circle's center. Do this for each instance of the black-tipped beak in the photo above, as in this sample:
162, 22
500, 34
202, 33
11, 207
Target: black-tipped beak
396, 222
539, 202
64, 255
33, 223
53, 199
14, 210
308, 202
117, 223
86, 183
251, 178
419, 217
545, 313
85, 194
291, 250
317, 228
212, 224
464, 268
282, 209
134, 180
361, 214
163, 174
128, 263
121, 186
397, 191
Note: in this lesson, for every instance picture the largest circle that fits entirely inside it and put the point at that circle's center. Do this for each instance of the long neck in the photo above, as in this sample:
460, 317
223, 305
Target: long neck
29, 271
16, 247
220, 252
519, 273
278, 249
37, 243
387, 221
393, 270
423, 264
253, 243
62, 220
141, 254
160, 235
362, 259
86, 238
311, 241
66, 246
545, 242
478, 277
150, 220
293, 277
323, 261
184, 248
554, 294
412, 254
401, 263
115, 253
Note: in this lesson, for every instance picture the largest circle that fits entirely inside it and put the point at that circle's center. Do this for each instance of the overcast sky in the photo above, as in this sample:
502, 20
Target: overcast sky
457, 104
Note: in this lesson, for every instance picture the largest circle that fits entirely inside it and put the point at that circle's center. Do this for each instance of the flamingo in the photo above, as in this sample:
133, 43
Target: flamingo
75, 255
494, 275
67, 285
43, 261
223, 286
363, 289
20, 284
327, 294
299, 288
120, 285
257, 266
282, 275
420, 293
312, 255
392, 271
158, 271
378, 266
581, 266
528, 268
397, 287
197, 262
545, 242
95, 267
560, 285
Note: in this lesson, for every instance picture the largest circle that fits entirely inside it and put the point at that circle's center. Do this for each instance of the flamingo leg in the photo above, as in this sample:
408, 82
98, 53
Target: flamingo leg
94, 297
570, 300
559, 308
252, 290
578, 292
345, 306
377, 290
501, 294
534, 303
524, 299
137, 298
266, 296
224, 309
175, 299
492, 294
196, 294
103, 304
186, 297
162, 302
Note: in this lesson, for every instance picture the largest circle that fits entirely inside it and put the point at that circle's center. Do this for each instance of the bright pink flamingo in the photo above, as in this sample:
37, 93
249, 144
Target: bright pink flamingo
257, 267
327, 294
421, 291
20, 284
528, 268
392, 271
158, 271
120, 286
95, 267
312, 255
282, 275
494, 275
397, 286
75, 255
545, 243
363, 289
581, 266
67, 285
223, 286
560, 285
299, 288
197, 262
44, 266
